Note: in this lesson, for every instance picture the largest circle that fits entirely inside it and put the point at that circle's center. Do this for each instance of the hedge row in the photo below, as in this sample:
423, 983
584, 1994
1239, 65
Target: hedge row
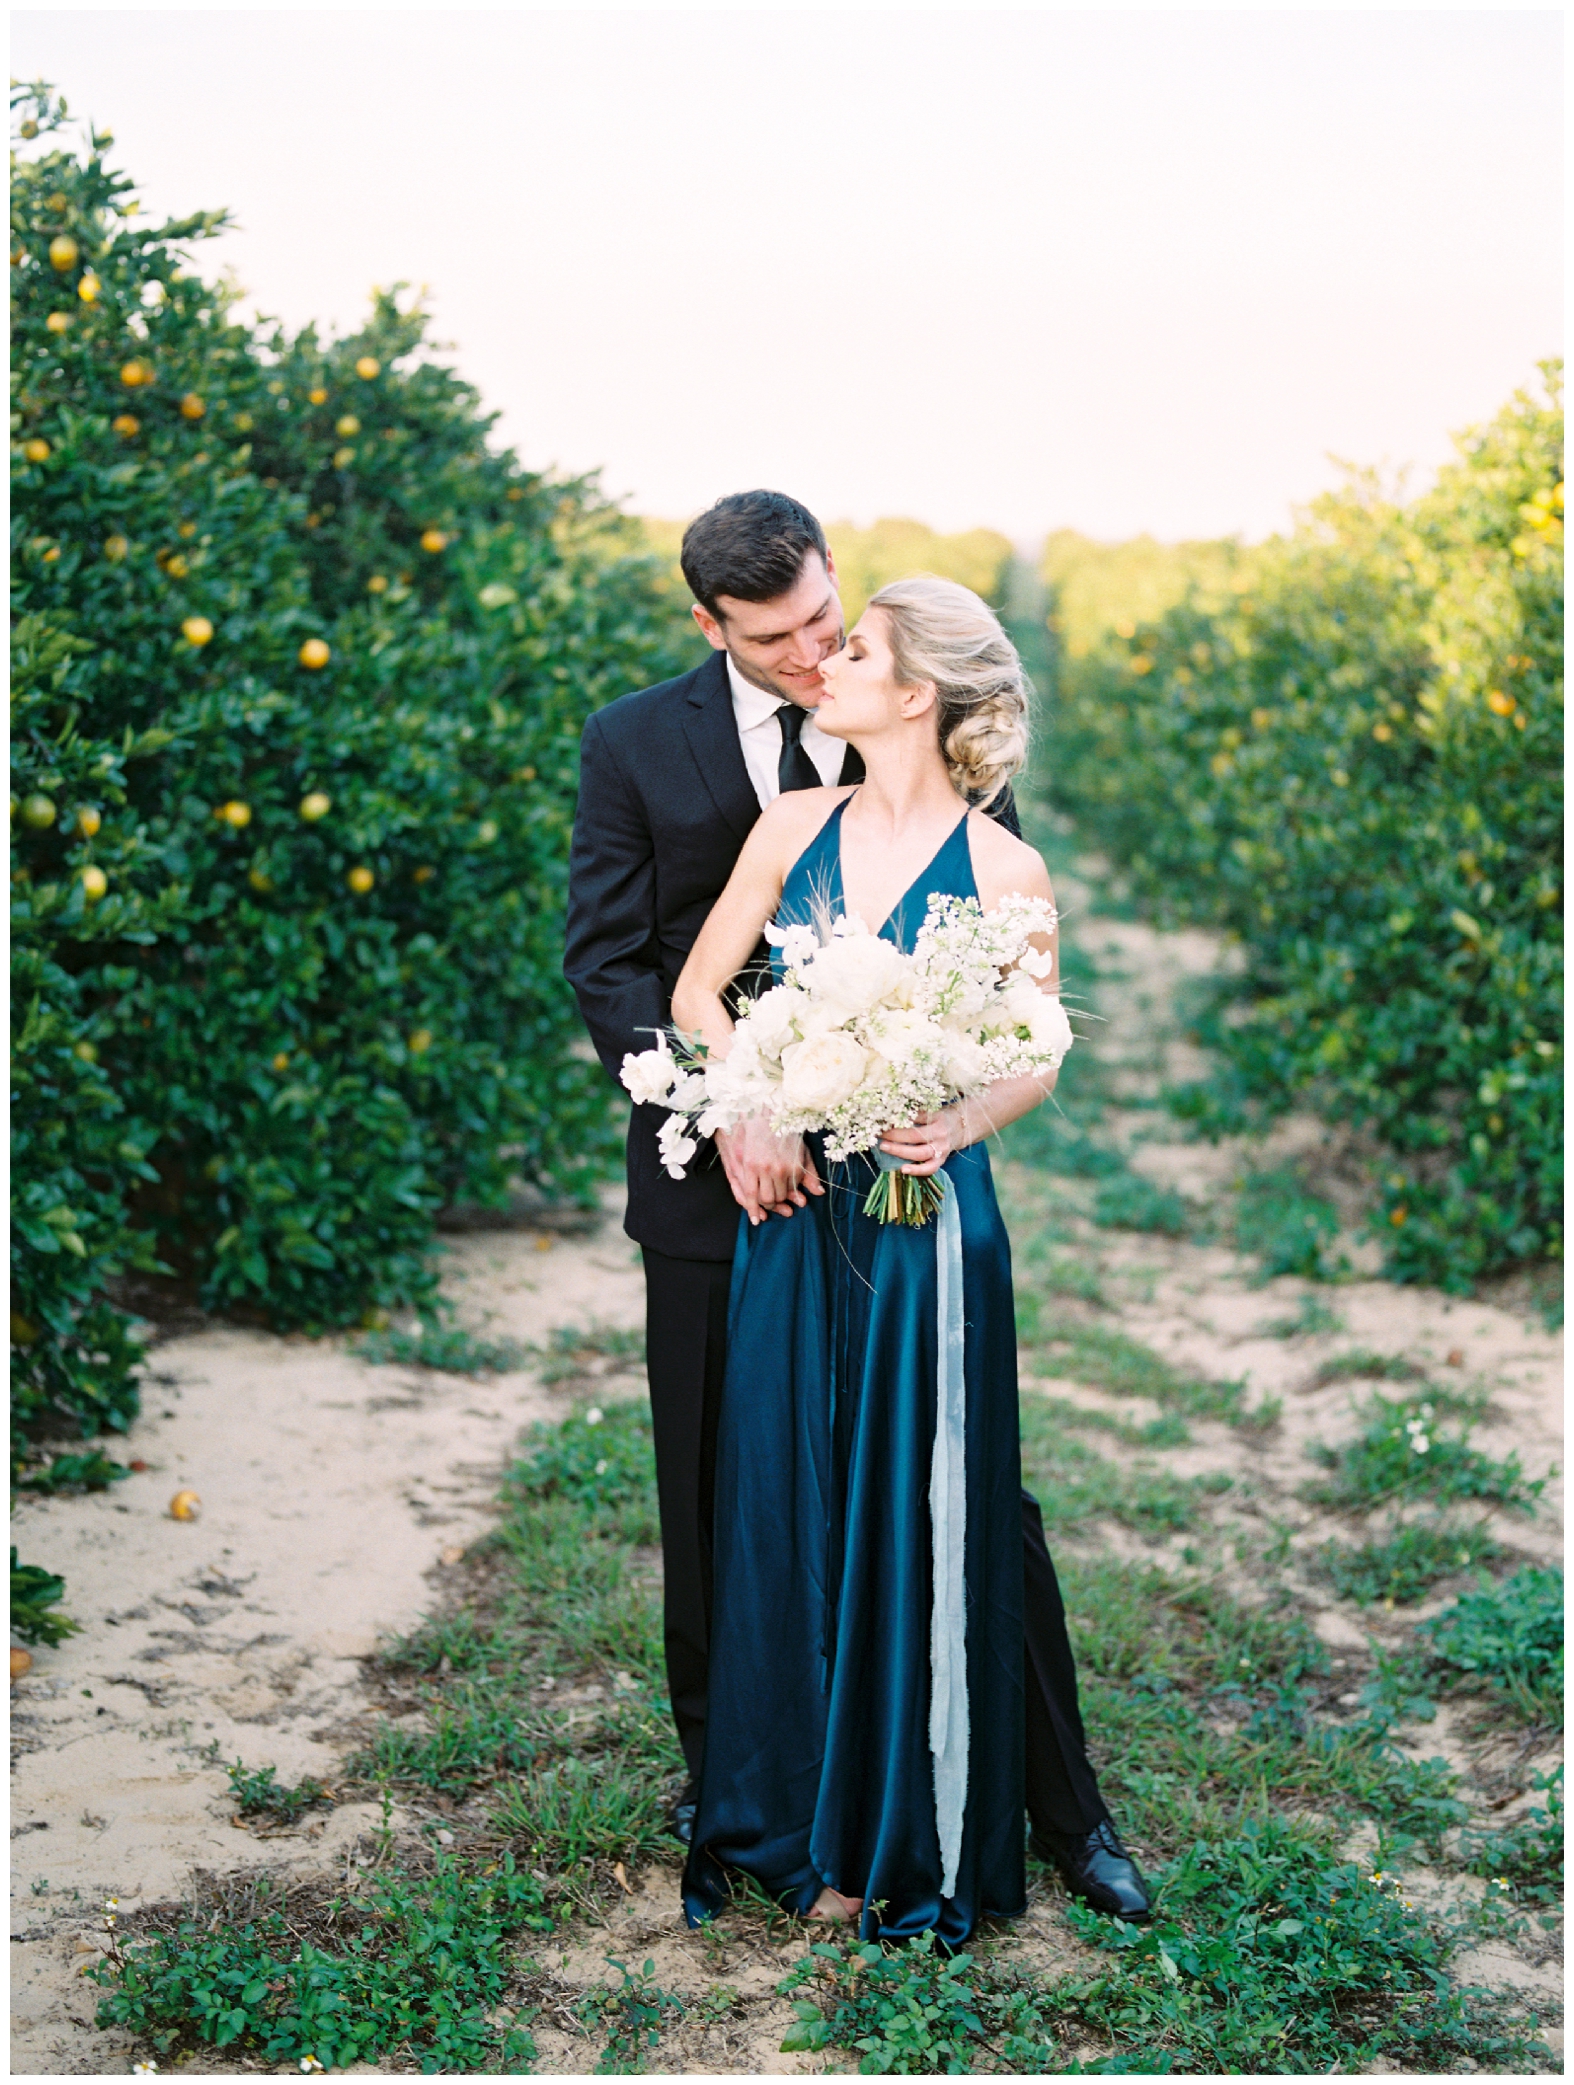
1344, 748
300, 666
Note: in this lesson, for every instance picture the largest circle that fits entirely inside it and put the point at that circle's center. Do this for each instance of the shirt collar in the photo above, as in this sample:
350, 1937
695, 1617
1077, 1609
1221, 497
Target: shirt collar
750, 705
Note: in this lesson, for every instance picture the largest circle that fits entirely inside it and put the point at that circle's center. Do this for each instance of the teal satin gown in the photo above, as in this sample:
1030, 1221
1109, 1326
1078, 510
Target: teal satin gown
818, 1763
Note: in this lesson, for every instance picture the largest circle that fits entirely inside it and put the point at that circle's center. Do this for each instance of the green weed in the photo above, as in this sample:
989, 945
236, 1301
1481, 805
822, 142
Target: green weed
1269, 1956
1405, 1564
1074, 1482
1286, 1229
94, 1471
1506, 1637
910, 2011
630, 2014
448, 1348
1169, 1430
1360, 1363
1526, 1857
416, 1963
1311, 1317
1128, 1202
1105, 1359
575, 1350
35, 1593
257, 1791
1402, 1452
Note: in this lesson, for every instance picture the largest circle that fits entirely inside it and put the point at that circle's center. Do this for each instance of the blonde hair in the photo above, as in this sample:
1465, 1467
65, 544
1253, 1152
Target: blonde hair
943, 632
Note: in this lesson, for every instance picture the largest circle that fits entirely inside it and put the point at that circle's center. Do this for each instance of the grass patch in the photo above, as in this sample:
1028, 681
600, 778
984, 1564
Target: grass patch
631, 2015
1287, 1230
1268, 1956
1169, 1430
1361, 1364
1505, 1638
1401, 1452
414, 1964
574, 1351
257, 1792
910, 2011
1405, 1564
450, 1349
1105, 1359
1310, 1318
1526, 1857
1074, 1482
1128, 1202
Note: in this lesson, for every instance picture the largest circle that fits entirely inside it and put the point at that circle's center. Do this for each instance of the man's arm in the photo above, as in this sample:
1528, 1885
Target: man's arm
611, 953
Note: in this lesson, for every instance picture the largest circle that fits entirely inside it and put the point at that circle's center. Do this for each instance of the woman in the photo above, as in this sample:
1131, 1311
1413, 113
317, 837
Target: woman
863, 1753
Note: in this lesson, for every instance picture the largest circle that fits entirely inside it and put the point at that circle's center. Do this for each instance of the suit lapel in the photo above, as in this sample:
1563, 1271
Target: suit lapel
712, 732
852, 767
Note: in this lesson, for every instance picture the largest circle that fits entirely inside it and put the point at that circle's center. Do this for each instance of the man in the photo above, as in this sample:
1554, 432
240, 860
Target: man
671, 781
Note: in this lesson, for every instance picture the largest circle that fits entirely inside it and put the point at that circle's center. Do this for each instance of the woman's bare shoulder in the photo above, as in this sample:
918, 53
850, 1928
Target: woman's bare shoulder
1003, 865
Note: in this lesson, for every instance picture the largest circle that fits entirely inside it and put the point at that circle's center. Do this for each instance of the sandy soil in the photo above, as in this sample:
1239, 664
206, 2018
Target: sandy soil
334, 1491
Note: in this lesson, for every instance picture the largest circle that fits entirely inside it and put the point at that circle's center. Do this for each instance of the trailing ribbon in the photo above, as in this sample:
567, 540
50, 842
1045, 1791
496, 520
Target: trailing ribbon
948, 1723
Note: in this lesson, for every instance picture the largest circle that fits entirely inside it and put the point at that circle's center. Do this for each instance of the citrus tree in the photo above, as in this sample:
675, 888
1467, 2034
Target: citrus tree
1349, 757
301, 661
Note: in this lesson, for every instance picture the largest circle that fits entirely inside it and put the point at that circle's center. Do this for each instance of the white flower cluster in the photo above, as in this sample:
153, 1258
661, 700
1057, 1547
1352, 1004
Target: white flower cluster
860, 1038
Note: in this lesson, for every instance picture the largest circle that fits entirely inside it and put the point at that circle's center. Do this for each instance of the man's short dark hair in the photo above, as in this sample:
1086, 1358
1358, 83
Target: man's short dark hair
750, 545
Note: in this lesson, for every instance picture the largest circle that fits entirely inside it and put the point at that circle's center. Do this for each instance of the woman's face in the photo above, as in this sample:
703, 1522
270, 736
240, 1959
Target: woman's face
862, 694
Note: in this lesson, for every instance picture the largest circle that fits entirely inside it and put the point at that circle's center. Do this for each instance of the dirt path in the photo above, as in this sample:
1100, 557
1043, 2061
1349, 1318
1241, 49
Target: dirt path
332, 1490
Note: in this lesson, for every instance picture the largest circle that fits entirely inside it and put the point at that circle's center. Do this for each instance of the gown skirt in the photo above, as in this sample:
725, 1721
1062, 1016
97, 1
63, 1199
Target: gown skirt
823, 1764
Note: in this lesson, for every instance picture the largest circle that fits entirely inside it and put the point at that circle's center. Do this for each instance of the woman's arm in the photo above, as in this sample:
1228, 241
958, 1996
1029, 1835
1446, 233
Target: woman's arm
768, 1174
1002, 867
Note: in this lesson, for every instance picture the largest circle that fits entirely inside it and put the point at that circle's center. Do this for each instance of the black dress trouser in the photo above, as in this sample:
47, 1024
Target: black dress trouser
686, 1356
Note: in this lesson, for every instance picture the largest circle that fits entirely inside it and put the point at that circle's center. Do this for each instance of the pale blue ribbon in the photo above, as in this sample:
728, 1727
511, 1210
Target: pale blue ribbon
948, 1721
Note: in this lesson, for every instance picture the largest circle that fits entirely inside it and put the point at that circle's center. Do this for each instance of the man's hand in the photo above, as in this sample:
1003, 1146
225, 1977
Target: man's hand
769, 1175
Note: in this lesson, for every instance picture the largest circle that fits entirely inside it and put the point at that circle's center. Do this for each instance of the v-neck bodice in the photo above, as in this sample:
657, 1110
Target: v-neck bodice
813, 891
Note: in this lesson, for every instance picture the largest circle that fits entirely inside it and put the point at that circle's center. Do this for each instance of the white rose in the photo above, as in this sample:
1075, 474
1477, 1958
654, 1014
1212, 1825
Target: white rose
821, 1073
688, 1093
856, 971
964, 1060
649, 1076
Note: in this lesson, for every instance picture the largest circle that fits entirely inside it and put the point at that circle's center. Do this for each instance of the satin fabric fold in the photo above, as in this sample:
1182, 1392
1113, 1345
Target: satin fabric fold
821, 1764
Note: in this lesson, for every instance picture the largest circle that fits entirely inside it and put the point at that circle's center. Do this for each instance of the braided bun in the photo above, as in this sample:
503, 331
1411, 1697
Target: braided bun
944, 633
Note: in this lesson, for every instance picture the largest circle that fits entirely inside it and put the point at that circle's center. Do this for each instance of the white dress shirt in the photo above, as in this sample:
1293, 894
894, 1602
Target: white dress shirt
760, 736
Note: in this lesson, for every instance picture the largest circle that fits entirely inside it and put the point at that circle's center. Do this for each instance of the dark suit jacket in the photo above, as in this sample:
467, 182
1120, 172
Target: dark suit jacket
665, 805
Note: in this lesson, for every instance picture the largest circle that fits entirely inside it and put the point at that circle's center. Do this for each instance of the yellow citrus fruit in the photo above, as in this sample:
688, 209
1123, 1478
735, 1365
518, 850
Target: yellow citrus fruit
235, 813
88, 1052
315, 805
30, 128
1397, 1216
175, 565
185, 1505
94, 882
58, 322
244, 423
318, 397
88, 821
347, 425
38, 812
516, 492
88, 289
314, 653
1382, 733
196, 629
126, 424
377, 584
22, 1661
192, 407
524, 774
367, 367
486, 832
62, 251
52, 554
135, 372
187, 529
260, 880
281, 1061
343, 458
420, 1042
423, 875
1500, 704
433, 539
58, 201
360, 879
37, 450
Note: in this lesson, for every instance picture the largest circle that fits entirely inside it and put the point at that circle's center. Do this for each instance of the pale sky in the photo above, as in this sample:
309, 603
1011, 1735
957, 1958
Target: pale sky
1113, 270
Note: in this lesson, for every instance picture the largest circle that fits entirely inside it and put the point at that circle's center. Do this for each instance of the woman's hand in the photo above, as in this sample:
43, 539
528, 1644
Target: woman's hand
927, 1145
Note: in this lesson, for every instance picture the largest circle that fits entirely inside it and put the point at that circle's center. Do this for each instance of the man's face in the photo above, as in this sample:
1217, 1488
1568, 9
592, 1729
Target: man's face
778, 644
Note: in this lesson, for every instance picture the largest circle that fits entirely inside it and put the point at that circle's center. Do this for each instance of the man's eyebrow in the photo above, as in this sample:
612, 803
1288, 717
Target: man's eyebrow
776, 636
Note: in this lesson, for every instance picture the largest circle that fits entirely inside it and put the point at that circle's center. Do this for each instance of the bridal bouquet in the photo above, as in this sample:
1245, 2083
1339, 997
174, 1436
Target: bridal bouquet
860, 1038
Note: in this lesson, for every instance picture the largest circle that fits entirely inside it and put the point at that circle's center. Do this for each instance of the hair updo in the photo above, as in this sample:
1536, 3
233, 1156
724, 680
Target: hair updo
943, 632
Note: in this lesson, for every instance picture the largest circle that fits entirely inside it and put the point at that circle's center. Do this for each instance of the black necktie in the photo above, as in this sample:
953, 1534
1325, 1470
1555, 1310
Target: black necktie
794, 770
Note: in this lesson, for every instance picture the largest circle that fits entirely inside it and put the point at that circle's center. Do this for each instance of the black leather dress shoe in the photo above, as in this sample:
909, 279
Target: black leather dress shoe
1098, 1869
681, 1820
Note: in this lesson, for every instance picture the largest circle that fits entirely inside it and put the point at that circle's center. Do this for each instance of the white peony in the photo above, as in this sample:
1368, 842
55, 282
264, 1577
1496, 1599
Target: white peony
900, 1037
856, 971
965, 1061
1050, 1028
649, 1076
820, 1074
